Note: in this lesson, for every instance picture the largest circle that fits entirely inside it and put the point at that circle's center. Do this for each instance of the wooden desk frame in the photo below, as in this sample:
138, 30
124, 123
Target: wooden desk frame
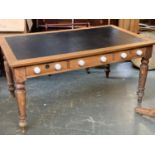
18, 71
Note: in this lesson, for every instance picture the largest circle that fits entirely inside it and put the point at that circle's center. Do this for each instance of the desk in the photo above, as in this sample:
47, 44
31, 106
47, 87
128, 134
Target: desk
32, 55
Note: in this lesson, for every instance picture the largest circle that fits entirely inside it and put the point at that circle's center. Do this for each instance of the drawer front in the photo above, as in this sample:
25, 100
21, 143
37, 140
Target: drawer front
90, 61
128, 55
106, 58
80, 63
44, 69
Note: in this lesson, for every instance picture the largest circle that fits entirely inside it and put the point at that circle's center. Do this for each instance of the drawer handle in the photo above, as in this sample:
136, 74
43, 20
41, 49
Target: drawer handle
81, 63
124, 55
139, 52
58, 67
37, 70
103, 59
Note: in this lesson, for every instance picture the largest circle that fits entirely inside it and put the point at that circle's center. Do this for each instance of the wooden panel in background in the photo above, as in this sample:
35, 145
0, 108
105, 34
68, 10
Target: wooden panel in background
12, 25
130, 24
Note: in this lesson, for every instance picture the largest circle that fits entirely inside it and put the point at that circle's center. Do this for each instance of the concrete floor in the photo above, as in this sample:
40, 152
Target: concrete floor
80, 103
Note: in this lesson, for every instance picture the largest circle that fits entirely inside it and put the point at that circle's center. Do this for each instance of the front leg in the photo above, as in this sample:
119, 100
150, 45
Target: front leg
21, 101
20, 92
143, 74
107, 70
142, 79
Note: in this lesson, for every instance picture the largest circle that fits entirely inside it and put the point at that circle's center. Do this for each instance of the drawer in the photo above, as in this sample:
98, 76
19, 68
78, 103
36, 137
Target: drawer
136, 53
44, 69
106, 58
128, 55
90, 61
80, 63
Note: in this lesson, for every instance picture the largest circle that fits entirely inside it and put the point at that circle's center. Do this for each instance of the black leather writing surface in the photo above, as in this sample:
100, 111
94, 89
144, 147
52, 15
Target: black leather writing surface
33, 46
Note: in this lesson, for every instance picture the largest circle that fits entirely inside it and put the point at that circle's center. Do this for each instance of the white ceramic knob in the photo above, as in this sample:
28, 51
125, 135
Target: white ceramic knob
139, 52
103, 59
81, 63
124, 55
37, 70
57, 67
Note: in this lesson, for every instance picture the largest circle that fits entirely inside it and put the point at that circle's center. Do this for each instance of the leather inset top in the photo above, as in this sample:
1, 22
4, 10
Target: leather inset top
40, 45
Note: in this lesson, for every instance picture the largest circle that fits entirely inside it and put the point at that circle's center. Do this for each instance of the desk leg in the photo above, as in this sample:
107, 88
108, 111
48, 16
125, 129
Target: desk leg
143, 75
107, 70
21, 96
9, 77
88, 70
142, 79
21, 101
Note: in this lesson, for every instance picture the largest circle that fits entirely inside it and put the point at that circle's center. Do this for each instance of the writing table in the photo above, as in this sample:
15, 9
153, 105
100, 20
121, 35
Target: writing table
32, 55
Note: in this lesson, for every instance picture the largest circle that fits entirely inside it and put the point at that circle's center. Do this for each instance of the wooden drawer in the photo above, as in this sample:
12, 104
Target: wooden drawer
45, 69
89, 61
80, 63
117, 57
110, 58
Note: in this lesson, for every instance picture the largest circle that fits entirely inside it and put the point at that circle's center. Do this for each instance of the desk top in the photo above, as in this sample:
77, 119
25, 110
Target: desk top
33, 46
49, 44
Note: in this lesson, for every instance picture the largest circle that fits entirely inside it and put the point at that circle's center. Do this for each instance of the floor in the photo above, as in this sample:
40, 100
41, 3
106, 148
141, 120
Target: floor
80, 103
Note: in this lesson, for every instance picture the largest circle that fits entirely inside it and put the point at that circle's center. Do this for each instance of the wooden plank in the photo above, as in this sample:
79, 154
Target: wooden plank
12, 25
130, 24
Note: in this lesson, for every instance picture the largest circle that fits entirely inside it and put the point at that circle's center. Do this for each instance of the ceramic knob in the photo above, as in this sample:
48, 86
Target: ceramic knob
81, 63
139, 52
57, 67
37, 70
103, 59
123, 55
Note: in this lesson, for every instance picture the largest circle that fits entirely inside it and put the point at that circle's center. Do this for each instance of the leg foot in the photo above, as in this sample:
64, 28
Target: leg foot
88, 70
107, 70
139, 100
142, 79
22, 124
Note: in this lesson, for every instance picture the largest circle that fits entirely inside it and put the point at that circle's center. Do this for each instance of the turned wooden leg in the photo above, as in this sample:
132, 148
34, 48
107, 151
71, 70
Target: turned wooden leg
142, 79
21, 101
107, 70
143, 74
9, 77
141, 86
20, 78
